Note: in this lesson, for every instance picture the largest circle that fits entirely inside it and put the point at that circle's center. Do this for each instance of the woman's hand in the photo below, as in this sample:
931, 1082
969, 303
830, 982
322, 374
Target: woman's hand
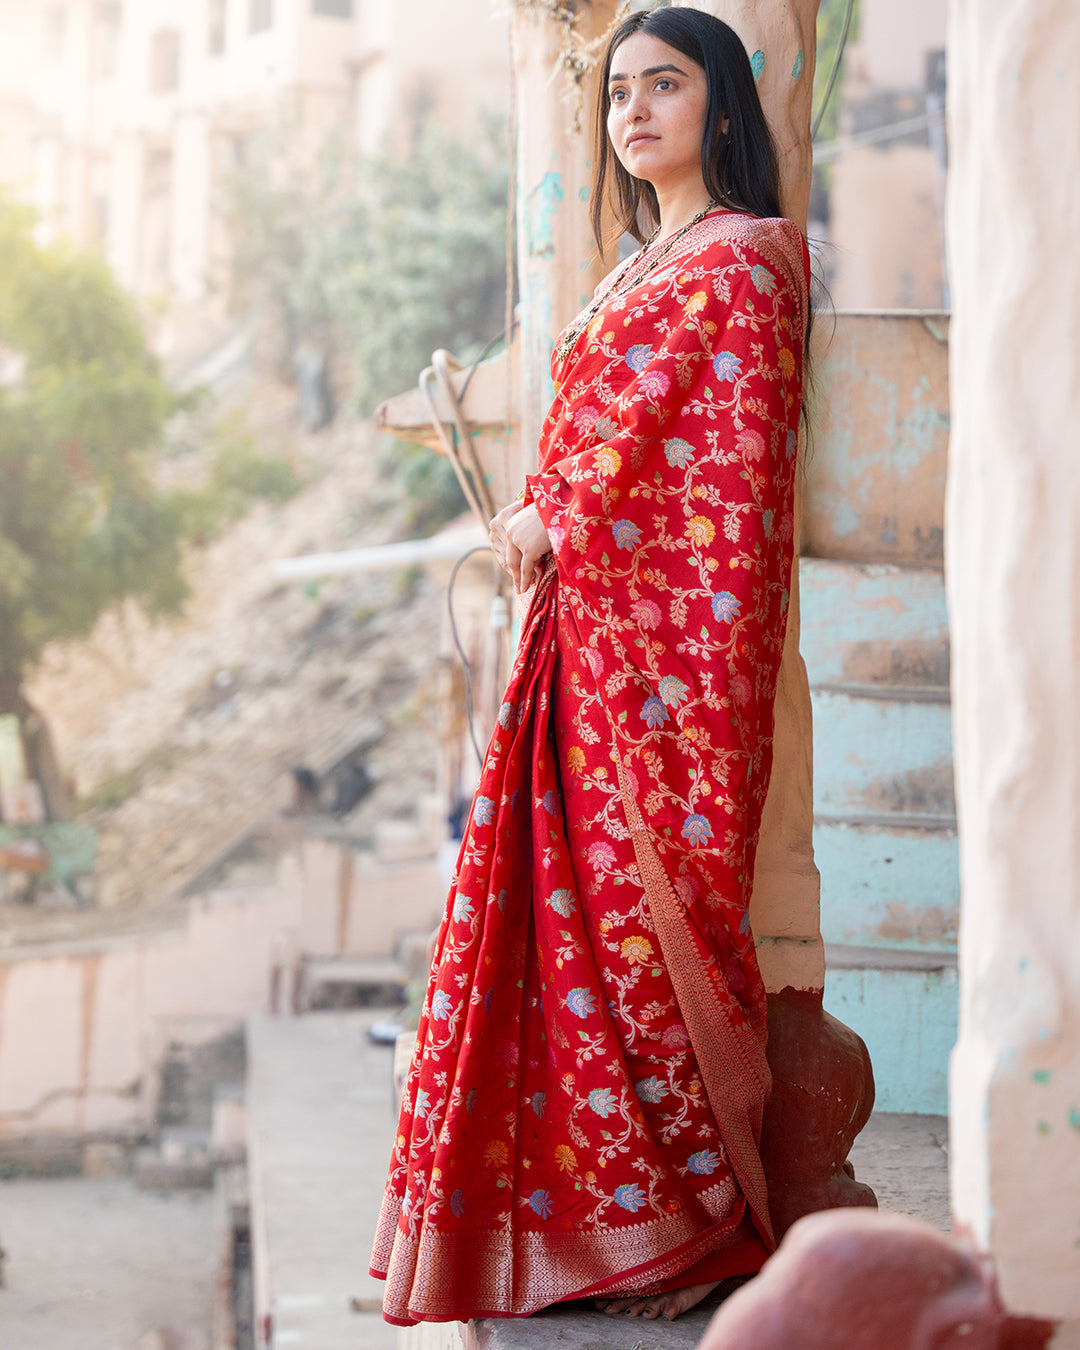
497, 532
519, 541
527, 543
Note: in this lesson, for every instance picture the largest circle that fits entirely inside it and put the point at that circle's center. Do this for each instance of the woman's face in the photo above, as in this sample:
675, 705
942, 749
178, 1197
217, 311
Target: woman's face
656, 118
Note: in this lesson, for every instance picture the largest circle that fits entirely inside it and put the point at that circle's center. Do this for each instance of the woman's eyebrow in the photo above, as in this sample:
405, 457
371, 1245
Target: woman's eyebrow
650, 70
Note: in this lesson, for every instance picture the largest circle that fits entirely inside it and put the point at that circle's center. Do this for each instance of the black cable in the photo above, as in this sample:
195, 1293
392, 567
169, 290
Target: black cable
482, 357
472, 371
816, 124
480, 548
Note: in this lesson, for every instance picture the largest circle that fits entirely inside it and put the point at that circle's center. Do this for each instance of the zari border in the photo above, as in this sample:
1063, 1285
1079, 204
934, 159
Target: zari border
732, 1062
514, 1273
776, 239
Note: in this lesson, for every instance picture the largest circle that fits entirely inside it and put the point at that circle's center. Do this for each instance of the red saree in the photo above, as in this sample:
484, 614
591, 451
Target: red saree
583, 1111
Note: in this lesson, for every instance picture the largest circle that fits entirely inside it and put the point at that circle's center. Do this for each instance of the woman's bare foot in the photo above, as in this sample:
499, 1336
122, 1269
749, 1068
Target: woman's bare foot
668, 1306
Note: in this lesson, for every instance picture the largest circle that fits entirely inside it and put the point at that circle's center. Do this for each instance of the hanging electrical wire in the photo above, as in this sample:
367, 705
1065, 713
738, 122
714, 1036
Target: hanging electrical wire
465, 664
837, 60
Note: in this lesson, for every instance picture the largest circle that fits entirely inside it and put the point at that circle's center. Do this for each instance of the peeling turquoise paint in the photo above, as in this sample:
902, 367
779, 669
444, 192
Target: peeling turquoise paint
757, 63
913, 436
888, 886
844, 518
1044, 1127
797, 68
875, 756
543, 206
875, 639
846, 607
886, 426
908, 1020
536, 306
583, 194
1074, 1118
1041, 1076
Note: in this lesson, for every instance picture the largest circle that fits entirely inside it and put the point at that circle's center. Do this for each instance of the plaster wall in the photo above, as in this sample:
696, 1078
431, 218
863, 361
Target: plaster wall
83, 1025
1013, 569
558, 267
886, 228
876, 471
886, 198
449, 61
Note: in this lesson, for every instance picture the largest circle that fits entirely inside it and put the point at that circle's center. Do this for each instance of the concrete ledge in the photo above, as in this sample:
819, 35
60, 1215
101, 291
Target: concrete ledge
902, 1157
577, 1325
585, 1329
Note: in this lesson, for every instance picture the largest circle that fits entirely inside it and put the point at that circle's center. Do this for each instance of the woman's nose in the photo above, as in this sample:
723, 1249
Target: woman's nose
635, 108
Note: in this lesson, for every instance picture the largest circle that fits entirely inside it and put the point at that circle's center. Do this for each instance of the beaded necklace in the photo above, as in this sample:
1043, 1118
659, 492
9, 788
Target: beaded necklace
632, 276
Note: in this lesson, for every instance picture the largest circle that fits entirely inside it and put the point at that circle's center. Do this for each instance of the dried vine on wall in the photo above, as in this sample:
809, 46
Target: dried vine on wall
579, 55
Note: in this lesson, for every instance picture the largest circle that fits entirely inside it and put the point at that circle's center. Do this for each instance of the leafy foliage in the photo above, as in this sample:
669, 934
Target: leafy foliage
830, 27
389, 259
427, 482
82, 405
239, 474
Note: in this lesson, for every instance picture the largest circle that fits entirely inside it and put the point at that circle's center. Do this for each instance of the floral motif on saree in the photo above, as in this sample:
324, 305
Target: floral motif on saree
583, 1110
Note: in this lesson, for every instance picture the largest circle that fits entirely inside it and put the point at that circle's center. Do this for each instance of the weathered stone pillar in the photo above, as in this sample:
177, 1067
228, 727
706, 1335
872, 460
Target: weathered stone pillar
558, 267
822, 1081
1013, 576
780, 37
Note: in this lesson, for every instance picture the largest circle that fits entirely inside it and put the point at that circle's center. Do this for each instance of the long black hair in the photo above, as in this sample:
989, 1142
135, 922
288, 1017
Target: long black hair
739, 167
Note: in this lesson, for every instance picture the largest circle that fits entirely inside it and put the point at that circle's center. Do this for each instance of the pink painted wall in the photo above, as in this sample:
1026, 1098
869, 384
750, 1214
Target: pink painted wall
83, 1024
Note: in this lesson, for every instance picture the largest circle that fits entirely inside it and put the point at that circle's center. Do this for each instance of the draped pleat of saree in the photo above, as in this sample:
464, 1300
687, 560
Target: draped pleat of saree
582, 1115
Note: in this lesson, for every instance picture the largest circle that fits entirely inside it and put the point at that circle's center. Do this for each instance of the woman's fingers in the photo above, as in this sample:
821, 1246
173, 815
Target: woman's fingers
497, 533
513, 564
527, 543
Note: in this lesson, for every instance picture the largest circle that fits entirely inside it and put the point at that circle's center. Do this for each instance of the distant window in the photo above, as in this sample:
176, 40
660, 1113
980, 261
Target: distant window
215, 28
107, 41
157, 170
54, 33
333, 9
260, 15
101, 219
165, 61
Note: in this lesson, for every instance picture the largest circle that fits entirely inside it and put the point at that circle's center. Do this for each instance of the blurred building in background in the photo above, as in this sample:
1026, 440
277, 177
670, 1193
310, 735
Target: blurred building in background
885, 173
120, 123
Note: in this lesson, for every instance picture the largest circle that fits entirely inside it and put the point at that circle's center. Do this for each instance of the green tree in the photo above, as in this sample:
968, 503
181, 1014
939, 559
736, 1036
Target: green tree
377, 262
384, 259
82, 404
429, 267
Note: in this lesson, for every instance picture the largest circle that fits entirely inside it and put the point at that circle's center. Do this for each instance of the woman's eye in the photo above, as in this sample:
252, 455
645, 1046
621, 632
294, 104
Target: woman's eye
663, 84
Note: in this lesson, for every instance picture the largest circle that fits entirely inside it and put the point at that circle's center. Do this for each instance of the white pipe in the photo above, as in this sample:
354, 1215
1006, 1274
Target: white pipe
407, 553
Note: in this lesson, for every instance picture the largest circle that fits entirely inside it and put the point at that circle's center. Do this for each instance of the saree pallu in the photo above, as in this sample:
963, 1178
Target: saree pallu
582, 1114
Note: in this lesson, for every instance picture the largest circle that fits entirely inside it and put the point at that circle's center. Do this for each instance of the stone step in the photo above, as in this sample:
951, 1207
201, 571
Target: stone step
873, 624
881, 755
904, 1005
340, 981
889, 881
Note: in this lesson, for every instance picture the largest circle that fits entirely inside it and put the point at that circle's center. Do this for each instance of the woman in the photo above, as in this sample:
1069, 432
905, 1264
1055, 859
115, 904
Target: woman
583, 1112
